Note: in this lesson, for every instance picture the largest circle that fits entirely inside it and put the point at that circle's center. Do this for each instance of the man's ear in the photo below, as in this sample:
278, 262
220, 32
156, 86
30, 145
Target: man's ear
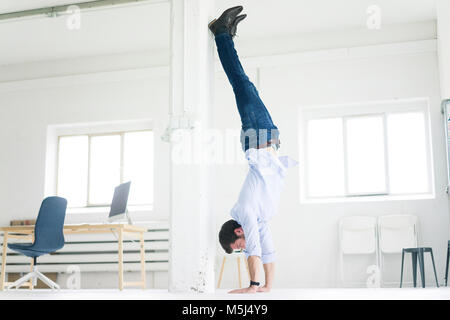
239, 231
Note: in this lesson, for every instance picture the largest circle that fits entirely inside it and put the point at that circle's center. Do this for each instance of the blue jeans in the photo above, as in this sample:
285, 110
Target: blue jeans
258, 130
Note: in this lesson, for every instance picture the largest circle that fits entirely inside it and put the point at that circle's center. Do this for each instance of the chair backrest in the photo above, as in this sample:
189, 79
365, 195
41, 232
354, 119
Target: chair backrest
358, 234
397, 232
48, 232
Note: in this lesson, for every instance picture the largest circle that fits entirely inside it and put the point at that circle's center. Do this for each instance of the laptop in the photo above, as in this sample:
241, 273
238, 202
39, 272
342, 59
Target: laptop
118, 210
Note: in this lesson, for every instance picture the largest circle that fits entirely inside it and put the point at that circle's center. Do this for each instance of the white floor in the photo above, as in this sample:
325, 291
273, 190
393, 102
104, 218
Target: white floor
277, 294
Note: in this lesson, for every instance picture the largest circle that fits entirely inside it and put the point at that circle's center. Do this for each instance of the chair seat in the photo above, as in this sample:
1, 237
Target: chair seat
418, 249
26, 249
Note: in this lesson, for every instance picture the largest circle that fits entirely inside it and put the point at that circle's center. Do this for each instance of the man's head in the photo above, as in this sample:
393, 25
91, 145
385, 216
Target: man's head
231, 236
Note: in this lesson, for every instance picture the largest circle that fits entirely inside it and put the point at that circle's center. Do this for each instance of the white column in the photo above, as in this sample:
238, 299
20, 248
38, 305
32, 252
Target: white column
443, 30
192, 225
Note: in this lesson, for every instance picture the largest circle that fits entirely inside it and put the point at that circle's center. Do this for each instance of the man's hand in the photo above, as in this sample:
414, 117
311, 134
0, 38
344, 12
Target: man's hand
264, 289
251, 289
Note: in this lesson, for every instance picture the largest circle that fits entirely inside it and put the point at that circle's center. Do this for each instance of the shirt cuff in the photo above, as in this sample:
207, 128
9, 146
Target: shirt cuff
268, 258
249, 254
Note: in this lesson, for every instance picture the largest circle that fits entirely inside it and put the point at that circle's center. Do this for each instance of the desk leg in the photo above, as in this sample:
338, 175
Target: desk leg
221, 272
31, 280
143, 260
5, 245
32, 268
120, 259
239, 271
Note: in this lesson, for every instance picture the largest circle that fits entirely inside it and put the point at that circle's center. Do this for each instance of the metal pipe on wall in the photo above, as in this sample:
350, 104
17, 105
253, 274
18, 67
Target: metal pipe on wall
52, 11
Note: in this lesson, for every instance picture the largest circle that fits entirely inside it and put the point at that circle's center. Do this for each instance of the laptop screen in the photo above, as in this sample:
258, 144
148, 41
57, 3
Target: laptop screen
120, 199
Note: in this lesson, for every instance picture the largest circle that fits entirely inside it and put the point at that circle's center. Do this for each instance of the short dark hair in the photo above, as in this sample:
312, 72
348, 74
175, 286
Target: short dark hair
227, 235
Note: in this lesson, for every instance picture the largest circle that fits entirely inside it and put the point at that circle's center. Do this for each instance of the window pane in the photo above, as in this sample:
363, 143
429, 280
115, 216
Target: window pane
325, 158
365, 155
73, 169
138, 166
407, 153
105, 168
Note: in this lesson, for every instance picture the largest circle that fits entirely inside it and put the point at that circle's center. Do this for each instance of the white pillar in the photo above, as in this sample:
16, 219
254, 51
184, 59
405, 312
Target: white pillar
443, 29
192, 225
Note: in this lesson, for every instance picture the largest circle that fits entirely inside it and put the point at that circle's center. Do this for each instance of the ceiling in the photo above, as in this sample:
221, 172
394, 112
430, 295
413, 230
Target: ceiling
145, 26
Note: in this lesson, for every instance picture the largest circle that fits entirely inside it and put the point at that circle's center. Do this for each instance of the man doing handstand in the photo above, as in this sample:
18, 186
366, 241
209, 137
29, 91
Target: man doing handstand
259, 196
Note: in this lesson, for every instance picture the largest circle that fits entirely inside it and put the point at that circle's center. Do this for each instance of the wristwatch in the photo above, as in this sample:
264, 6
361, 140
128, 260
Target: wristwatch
254, 283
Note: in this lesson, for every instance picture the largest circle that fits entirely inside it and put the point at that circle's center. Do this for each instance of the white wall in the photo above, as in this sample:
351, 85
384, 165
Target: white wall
27, 108
352, 81
305, 235
25, 116
443, 31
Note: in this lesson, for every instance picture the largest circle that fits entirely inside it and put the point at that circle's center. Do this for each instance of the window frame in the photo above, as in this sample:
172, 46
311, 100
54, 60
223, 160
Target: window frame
386, 191
364, 109
120, 133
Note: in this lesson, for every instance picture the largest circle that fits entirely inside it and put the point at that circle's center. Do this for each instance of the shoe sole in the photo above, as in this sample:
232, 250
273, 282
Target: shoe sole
211, 23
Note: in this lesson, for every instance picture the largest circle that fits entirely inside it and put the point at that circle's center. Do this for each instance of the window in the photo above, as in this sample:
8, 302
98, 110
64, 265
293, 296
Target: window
91, 166
357, 151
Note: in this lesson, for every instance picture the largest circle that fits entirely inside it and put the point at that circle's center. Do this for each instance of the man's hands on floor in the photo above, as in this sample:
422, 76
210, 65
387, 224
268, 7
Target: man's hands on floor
245, 290
264, 289
251, 290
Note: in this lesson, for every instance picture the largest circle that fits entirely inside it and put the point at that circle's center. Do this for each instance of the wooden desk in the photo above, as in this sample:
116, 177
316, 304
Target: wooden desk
27, 232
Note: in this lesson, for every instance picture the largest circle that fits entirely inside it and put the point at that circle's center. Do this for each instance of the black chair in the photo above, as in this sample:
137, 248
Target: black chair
418, 253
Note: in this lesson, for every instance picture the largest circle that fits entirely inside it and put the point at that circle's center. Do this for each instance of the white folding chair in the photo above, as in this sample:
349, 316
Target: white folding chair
357, 235
396, 232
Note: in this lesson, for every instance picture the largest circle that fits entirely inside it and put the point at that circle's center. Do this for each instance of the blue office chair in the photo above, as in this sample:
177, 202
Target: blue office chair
48, 237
